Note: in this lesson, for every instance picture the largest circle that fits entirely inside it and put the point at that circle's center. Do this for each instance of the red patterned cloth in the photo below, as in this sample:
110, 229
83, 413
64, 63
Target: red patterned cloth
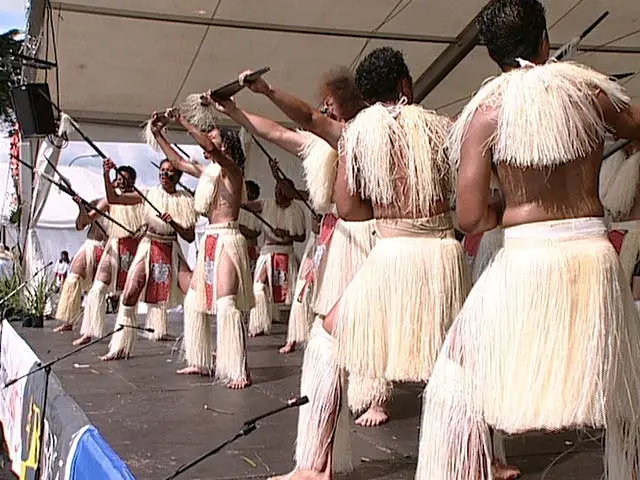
616, 237
98, 250
126, 253
159, 278
329, 223
210, 245
280, 281
472, 243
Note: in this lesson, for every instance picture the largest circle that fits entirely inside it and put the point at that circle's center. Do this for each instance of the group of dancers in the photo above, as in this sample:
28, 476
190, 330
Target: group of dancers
528, 324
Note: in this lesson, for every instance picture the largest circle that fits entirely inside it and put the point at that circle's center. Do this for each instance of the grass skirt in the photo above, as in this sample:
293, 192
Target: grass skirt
301, 316
347, 251
396, 311
548, 339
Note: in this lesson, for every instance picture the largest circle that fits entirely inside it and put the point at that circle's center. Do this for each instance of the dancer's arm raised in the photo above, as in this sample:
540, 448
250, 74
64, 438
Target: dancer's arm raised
225, 162
87, 217
287, 139
308, 117
158, 122
113, 197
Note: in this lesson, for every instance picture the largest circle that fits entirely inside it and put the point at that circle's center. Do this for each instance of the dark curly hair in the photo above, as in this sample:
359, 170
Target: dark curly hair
129, 171
340, 84
512, 29
253, 189
379, 73
233, 146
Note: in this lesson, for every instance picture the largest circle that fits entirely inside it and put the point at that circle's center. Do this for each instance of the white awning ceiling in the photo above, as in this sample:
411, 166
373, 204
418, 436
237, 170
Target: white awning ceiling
121, 59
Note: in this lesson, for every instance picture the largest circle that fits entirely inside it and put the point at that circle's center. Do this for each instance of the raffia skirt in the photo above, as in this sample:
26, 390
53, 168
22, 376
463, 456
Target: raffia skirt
396, 311
548, 339
222, 240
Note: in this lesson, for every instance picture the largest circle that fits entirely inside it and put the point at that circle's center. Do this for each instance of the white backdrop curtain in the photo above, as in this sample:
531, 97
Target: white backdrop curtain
49, 150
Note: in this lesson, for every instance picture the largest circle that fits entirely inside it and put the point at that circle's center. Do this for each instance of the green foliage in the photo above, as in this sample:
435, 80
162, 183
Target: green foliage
8, 285
9, 74
14, 216
37, 295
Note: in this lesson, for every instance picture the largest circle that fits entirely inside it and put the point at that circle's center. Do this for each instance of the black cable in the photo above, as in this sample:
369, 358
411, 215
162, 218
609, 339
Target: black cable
55, 50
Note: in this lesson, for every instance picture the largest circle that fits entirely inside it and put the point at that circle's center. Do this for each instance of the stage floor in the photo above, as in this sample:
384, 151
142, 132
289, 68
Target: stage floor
156, 421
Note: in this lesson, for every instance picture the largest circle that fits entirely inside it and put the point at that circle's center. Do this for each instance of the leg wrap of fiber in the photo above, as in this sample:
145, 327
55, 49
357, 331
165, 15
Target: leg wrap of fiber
197, 334
364, 392
95, 314
123, 341
231, 345
319, 420
300, 319
449, 427
70, 303
260, 318
157, 320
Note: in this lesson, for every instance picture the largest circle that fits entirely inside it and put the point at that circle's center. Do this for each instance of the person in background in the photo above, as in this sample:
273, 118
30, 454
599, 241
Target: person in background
62, 269
250, 226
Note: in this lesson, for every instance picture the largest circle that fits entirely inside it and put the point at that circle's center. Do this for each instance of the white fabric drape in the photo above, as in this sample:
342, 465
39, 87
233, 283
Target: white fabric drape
41, 187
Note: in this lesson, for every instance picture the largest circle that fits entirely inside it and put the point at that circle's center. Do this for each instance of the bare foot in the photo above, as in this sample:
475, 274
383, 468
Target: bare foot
288, 348
303, 475
83, 340
119, 355
240, 384
65, 327
505, 472
194, 371
376, 415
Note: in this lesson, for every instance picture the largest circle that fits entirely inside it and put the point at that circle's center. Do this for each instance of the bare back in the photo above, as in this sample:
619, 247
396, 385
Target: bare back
565, 191
401, 209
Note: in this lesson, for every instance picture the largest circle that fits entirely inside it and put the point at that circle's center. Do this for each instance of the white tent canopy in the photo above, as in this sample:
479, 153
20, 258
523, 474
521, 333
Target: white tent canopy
56, 227
121, 59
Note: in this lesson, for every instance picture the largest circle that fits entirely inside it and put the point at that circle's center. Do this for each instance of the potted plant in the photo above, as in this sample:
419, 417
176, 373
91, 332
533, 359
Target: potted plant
36, 298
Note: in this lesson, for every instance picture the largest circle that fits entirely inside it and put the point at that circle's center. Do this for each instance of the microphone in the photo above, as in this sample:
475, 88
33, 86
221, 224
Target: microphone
247, 427
144, 329
24, 284
298, 402
294, 402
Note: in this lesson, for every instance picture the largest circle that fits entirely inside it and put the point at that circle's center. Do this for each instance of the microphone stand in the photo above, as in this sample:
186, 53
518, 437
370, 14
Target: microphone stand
47, 370
247, 427
16, 290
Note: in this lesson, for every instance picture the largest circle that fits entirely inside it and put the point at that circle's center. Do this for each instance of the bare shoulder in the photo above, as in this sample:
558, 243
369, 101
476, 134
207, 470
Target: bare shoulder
484, 121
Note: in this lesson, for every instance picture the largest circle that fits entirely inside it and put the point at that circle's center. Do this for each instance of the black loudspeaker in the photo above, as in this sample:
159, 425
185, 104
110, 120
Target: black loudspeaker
33, 111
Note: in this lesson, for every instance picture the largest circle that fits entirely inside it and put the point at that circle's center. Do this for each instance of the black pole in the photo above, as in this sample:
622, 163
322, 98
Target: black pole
246, 430
47, 370
248, 427
298, 194
16, 290
259, 217
69, 191
94, 146
179, 183
50, 363
43, 413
